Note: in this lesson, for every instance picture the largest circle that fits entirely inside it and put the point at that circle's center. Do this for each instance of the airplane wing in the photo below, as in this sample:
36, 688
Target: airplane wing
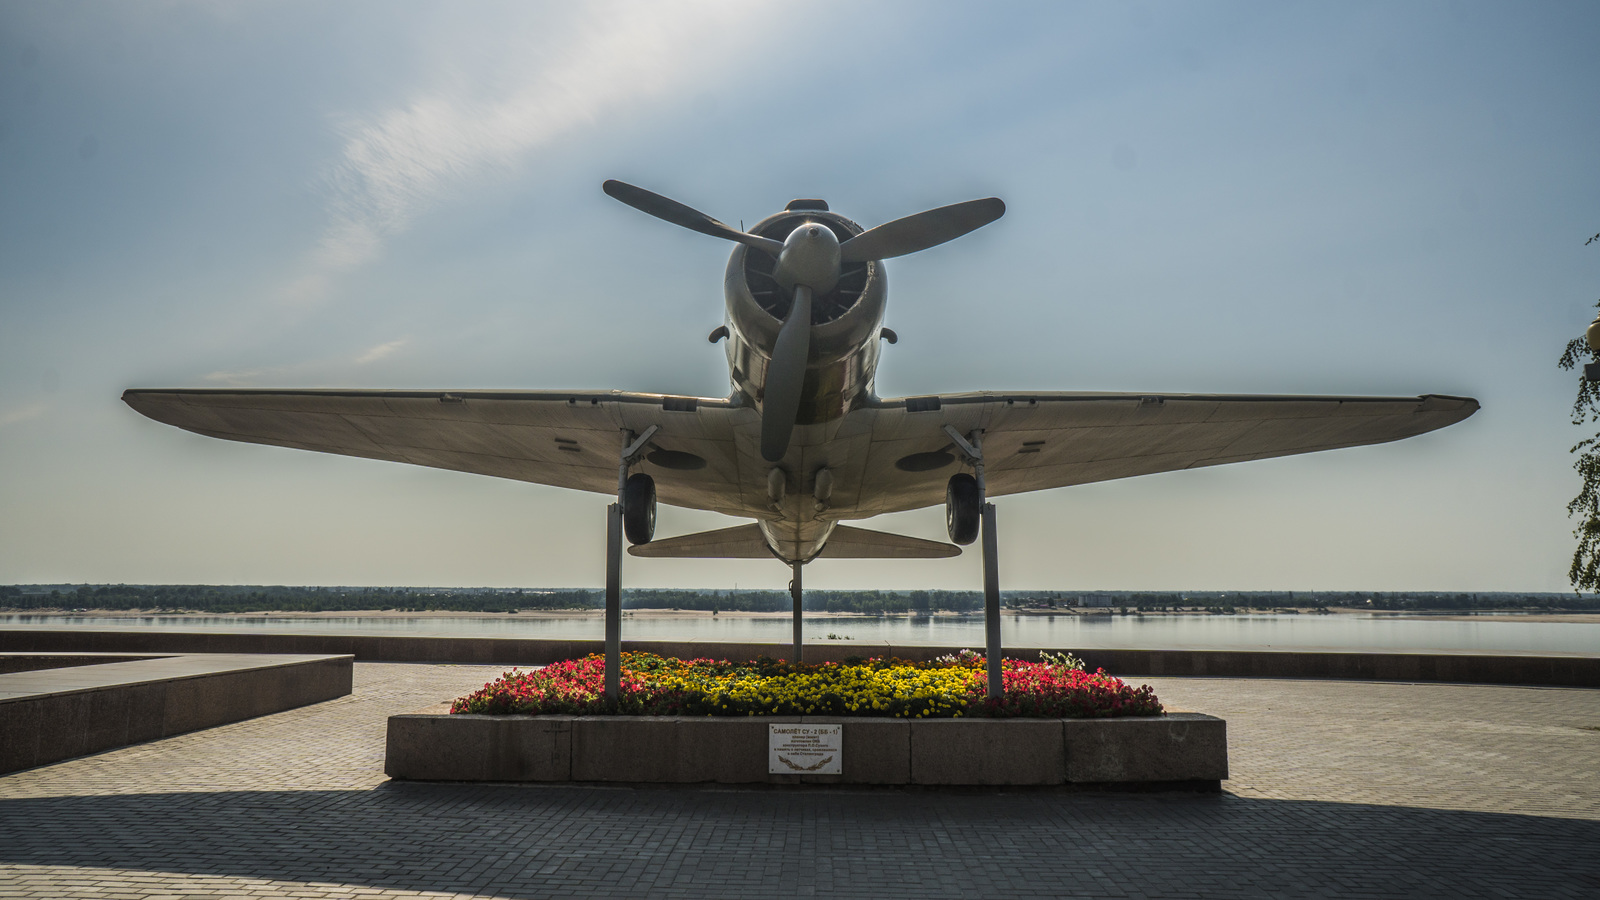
565, 439
1036, 441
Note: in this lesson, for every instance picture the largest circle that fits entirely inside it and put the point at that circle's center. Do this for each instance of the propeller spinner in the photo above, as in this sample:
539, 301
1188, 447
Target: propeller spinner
809, 263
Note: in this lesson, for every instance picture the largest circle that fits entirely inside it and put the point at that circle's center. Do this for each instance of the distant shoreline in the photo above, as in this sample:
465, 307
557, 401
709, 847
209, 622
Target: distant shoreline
1443, 615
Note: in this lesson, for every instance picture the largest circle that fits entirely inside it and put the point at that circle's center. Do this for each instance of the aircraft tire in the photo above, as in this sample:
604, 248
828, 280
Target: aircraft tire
639, 508
961, 512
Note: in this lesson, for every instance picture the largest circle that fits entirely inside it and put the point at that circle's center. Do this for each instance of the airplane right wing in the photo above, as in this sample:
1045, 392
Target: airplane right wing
1037, 441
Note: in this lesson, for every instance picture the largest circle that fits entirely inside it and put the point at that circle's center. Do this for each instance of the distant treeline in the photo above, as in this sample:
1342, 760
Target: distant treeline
1399, 600
240, 599
231, 599
1439, 601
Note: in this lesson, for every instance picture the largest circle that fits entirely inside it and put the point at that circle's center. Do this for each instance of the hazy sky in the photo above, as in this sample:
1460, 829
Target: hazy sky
1384, 198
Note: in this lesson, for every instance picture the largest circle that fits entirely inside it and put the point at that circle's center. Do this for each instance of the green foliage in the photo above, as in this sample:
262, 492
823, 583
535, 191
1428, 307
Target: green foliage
242, 599
1584, 573
1062, 660
247, 599
946, 688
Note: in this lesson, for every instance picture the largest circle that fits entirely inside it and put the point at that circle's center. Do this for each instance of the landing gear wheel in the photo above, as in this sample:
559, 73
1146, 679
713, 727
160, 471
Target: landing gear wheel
639, 508
961, 513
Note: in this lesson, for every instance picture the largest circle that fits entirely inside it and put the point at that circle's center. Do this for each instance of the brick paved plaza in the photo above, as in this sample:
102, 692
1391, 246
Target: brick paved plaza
1339, 789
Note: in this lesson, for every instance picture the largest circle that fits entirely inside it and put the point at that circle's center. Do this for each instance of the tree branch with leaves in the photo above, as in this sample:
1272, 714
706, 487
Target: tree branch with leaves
1585, 570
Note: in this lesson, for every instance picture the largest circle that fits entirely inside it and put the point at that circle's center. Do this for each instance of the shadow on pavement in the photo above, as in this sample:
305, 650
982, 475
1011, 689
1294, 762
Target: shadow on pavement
522, 841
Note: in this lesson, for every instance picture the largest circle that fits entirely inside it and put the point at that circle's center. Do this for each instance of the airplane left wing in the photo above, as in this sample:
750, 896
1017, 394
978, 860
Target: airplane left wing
560, 438
1036, 441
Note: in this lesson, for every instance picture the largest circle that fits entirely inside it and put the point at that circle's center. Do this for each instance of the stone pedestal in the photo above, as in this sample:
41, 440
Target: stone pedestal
1187, 750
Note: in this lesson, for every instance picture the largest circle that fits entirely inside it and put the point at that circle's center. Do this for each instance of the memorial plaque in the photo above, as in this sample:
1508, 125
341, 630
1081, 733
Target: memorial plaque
804, 749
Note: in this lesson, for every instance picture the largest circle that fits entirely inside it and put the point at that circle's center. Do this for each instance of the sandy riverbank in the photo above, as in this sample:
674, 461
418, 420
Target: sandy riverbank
1488, 616
1499, 617
446, 614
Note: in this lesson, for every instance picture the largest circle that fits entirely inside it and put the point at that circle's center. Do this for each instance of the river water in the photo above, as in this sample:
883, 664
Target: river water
1343, 632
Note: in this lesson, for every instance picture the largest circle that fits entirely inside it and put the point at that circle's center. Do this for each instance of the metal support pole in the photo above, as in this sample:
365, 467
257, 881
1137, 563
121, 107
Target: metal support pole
631, 449
991, 602
613, 601
972, 448
794, 594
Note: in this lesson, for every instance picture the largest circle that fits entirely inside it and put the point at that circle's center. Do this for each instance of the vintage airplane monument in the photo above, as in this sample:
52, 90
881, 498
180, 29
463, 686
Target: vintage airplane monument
803, 442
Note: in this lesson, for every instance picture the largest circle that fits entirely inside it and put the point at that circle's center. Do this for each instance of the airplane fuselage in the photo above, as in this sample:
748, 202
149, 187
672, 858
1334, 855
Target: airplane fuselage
846, 324
845, 342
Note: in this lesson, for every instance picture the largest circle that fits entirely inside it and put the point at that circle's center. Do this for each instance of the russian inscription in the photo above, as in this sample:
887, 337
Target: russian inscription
804, 749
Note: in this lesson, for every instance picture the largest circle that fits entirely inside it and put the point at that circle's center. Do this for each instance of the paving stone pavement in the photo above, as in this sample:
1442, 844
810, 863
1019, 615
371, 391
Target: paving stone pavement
1340, 789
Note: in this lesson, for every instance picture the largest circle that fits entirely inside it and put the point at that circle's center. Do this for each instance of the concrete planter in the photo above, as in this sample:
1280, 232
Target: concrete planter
1180, 750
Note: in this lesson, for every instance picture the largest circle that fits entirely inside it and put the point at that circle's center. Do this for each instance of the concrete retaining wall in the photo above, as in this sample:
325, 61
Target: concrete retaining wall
60, 713
1188, 750
1571, 671
33, 662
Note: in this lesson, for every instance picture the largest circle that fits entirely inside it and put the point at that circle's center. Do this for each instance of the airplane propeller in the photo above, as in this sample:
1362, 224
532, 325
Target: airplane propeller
921, 231
809, 263
685, 217
786, 374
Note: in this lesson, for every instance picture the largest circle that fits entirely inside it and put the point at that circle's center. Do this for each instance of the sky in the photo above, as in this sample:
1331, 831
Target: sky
1339, 198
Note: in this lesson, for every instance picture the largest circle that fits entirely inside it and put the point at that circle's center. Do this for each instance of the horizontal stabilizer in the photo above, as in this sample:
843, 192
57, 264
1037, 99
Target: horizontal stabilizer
738, 542
746, 542
860, 543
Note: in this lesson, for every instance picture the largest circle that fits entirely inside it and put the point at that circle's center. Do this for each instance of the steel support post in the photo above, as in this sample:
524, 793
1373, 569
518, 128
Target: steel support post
794, 594
632, 447
991, 602
971, 447
613, 601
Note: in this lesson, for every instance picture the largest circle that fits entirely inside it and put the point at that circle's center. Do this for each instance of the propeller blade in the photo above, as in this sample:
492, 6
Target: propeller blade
921, 231
786, 373
686, 217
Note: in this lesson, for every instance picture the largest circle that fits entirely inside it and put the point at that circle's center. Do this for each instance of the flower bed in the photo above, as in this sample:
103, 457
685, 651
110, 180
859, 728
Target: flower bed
950, 687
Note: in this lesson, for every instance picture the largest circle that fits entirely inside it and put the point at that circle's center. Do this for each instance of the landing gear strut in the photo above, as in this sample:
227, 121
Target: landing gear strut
964, 504
794, 595
632, 449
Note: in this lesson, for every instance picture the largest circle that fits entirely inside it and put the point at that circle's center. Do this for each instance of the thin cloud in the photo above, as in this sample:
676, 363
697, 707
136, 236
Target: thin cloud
31, 411
381, 351
311, 369
244, 377
397, 163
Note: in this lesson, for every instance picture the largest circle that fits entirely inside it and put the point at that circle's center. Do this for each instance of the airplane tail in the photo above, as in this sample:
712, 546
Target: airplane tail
746, 542
738, 542
861, 543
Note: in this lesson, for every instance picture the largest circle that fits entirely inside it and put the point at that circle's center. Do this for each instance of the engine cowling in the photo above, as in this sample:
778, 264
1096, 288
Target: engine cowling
845, 322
